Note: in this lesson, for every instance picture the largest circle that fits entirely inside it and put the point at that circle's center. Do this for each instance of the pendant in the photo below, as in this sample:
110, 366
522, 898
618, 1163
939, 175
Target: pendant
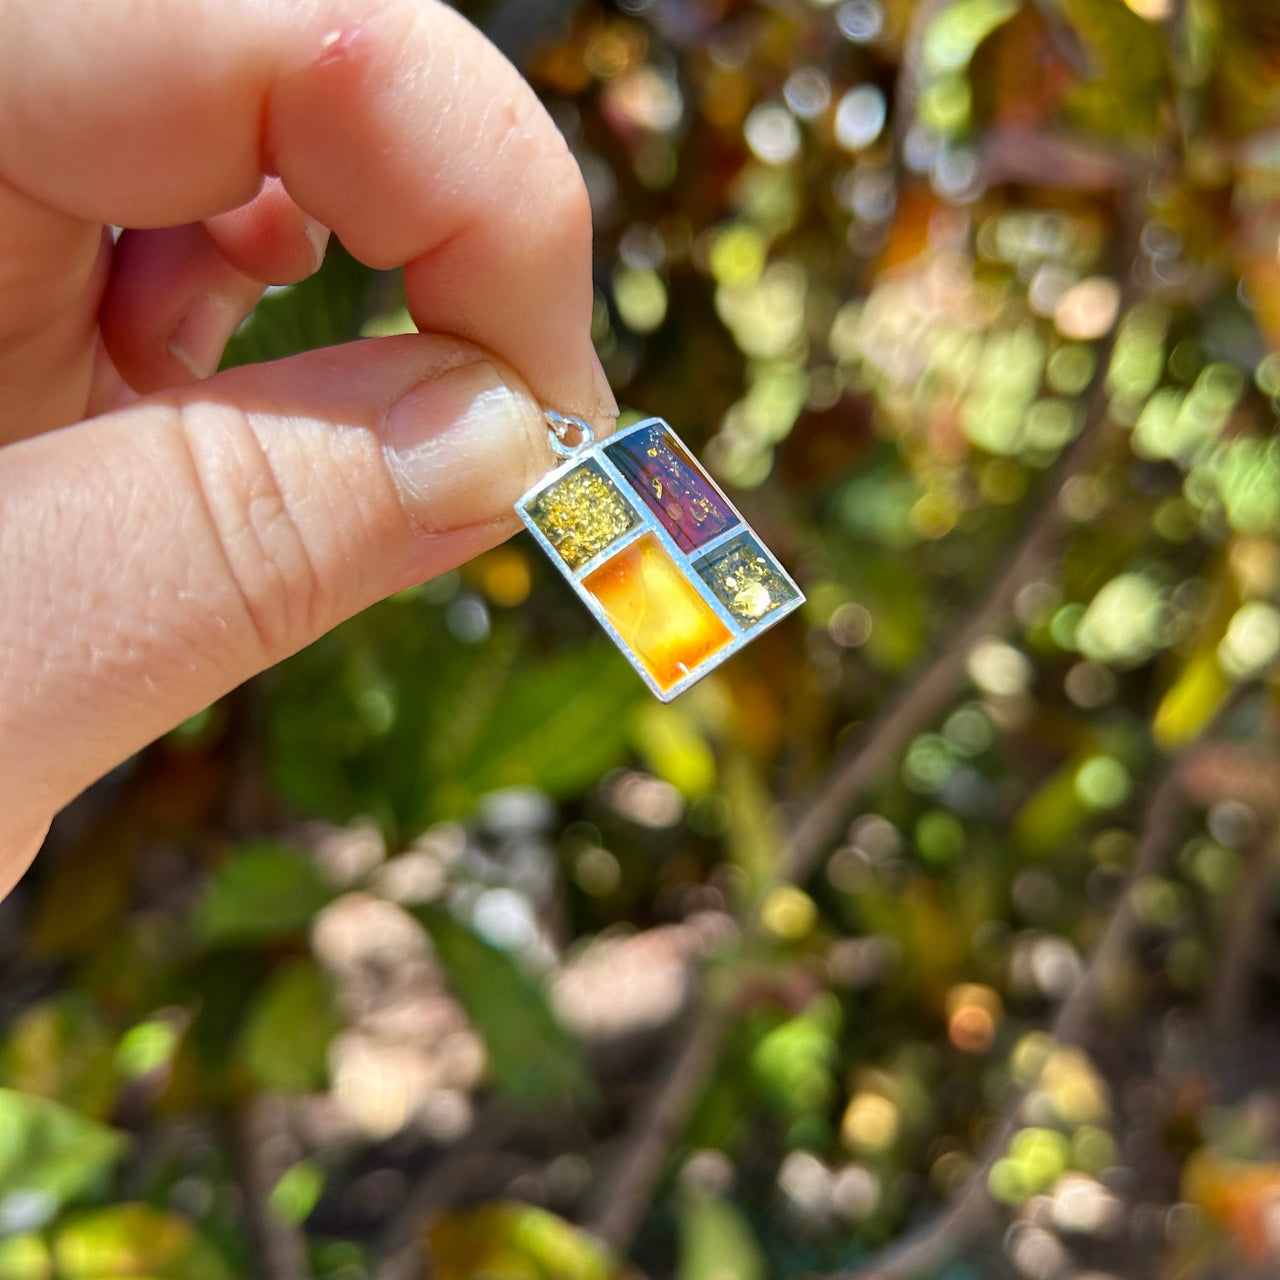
655, 550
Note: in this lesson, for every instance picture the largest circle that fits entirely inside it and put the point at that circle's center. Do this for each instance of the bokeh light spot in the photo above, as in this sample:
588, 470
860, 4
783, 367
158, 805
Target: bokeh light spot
860, 117
789, 913
772, 133
1088, 309
1102, 782
973, 1014
871, 1122
641, 298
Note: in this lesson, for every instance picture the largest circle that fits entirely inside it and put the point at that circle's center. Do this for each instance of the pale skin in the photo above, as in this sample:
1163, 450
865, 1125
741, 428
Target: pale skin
167, 531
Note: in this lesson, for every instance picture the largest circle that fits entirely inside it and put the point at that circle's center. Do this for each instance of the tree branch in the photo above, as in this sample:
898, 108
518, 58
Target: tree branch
926, 695
906, 89
625, 1194
260, 1146
1242, 936
1040, 158
397, 1254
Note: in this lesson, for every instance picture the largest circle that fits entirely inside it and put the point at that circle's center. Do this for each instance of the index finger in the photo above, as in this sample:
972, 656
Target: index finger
394, 122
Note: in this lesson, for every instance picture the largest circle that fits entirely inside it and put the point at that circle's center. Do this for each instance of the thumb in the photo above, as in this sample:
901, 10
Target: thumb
154, 558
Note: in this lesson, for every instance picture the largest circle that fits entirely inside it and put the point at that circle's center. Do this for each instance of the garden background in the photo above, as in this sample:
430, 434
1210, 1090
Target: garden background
937, 934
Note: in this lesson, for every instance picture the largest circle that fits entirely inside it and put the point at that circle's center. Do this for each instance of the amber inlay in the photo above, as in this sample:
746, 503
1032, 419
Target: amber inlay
582, 513
673, 486
746, 579
657, 611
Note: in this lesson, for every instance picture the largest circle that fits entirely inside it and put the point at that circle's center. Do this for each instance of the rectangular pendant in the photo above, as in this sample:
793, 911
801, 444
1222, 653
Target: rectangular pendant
658, 554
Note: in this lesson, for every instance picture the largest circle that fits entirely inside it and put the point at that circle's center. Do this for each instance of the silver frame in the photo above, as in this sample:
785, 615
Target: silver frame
740, 636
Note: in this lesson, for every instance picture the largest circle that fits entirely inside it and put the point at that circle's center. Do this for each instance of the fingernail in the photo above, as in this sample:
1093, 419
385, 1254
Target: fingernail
463, 447
201, 335
318, 236
604, 392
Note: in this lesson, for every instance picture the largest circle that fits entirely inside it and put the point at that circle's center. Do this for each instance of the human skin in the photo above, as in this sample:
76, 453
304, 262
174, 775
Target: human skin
167, 531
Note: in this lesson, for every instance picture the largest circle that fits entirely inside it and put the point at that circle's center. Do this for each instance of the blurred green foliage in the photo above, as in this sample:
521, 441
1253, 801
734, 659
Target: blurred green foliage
378, 963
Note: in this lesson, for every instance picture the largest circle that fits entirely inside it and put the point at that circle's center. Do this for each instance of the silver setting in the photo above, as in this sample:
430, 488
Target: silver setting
698, 556
560, 426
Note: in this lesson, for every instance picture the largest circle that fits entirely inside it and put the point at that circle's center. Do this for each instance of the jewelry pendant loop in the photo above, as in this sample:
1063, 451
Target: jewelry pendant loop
560, 426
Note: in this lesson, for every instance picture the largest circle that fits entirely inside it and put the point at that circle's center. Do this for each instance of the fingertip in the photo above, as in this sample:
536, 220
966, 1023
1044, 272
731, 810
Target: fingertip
172, 303
270, 239
463, 444
318, 238
17, 852
607, 407
202, 333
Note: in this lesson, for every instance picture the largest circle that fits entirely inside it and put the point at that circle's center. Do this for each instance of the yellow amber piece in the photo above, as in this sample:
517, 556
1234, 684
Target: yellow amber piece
581, 514
657, 611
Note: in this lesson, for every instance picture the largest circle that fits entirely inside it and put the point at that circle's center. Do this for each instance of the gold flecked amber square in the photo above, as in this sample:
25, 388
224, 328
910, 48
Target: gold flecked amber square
745, 579
582, 514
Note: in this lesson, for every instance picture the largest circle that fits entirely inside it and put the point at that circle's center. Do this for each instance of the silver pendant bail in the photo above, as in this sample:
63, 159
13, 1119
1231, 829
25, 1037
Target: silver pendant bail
560, 427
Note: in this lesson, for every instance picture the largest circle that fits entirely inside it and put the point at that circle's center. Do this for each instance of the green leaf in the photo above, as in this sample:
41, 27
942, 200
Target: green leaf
465, 706
375, 717
284, 1042
1124, 96
1191, 701
224, 983
82, 900
297, 1192
261, 891
675, 748
130, 1241
716, 1242
512, 1241
531, 1057
25, 1257
795, 1063
1054, 811
557, 726
326, 308
753, 834
62, 1048
953, 37
48, 1156
392, 717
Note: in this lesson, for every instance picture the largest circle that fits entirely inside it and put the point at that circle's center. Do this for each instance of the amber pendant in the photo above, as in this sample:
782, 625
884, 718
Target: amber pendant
655, 550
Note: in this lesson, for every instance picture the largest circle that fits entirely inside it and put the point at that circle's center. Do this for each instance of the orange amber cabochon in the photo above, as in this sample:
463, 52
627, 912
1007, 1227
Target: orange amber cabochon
657, 611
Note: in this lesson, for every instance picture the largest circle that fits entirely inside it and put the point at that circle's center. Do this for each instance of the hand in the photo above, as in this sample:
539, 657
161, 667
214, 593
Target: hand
165, 534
